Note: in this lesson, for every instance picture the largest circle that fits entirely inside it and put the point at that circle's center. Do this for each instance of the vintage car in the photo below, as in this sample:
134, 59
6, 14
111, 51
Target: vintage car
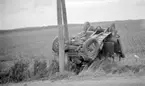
96, 44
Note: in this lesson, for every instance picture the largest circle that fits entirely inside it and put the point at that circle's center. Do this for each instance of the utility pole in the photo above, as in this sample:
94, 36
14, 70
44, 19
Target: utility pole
63, 32
66, 32
60, 36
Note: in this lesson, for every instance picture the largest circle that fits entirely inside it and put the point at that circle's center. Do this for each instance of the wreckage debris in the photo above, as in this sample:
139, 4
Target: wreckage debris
89, 47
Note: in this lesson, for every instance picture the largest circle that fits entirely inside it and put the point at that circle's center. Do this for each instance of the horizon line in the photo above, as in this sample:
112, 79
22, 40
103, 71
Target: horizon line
54, 25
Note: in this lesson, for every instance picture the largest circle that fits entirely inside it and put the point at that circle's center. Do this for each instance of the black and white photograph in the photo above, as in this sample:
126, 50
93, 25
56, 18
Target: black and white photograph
72, 42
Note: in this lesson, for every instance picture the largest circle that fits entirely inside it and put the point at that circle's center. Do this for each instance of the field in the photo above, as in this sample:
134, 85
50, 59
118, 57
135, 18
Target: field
36, 43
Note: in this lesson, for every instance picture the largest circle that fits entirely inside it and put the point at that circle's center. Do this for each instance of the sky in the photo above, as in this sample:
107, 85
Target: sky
29, 13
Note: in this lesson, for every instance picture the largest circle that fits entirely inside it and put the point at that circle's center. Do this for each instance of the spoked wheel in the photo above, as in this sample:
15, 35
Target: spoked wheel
91, 48
55, 45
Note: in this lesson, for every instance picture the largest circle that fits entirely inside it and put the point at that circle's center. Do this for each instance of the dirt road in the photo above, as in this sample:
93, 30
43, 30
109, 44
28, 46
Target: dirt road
113, 81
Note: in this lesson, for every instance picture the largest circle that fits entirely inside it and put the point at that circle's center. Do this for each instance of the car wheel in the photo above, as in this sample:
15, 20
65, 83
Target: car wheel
55, 45
91, 48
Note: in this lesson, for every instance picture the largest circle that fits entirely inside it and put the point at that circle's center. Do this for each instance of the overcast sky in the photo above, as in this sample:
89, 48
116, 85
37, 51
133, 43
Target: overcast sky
25, 13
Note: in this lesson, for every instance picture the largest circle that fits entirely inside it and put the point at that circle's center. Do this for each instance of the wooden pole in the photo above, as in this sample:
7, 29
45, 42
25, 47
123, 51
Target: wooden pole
66, 33
60, 37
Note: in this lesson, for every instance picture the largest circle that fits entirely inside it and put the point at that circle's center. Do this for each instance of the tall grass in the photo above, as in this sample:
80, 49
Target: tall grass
18, 72
24, 70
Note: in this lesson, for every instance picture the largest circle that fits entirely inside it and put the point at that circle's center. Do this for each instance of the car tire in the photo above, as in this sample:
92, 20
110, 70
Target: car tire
94, 53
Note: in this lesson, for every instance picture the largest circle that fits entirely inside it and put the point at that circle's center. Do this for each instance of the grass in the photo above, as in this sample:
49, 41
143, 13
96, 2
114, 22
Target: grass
118, 68
24, 70
18, 72
34, 44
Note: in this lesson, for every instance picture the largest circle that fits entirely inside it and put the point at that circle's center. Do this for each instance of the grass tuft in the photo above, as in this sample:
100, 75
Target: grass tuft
23, 70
